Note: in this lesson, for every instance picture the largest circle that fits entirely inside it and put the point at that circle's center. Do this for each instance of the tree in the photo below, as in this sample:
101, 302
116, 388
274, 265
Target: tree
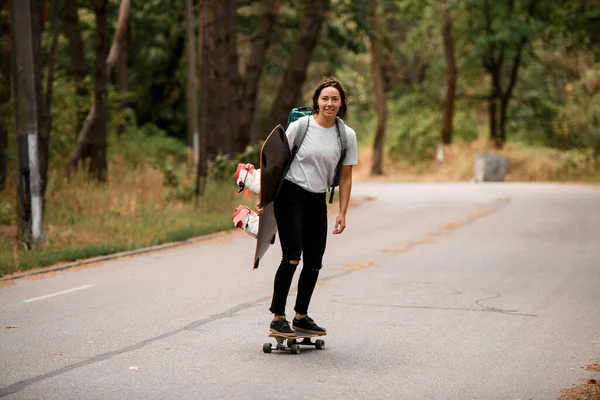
221, 64
446, 137
46, 115
507, 28
294, 76
254, 69
29, 197
192, 103
97, 139
379, 91
203, 47
76, 51
5, 75
93, 131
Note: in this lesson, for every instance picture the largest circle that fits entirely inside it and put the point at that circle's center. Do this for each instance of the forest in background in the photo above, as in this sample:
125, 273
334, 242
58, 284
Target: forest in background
143, 109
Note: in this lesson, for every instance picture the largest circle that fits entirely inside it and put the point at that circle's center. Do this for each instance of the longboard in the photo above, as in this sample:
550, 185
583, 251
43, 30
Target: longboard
293, 344
274, 156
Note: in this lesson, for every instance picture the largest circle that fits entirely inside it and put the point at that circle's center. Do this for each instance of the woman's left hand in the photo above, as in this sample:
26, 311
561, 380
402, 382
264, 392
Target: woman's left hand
340, 224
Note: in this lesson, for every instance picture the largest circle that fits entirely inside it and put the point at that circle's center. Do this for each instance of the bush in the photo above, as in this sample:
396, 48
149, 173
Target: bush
150, 144
576, 163
223, 167
577, 123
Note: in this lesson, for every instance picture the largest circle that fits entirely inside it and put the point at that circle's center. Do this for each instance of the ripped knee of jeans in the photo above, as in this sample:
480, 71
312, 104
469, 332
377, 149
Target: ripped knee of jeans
292, 257
313, 267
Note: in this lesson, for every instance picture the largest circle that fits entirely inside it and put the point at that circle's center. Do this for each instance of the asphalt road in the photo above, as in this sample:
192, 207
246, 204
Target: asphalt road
435, 291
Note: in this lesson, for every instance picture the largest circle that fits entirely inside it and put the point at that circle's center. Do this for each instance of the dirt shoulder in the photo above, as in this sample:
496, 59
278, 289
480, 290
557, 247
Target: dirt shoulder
588, 389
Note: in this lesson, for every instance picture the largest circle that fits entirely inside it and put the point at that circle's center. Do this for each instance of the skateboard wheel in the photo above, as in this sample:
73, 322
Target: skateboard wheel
267, 347
320, 344
291, 342
295, 349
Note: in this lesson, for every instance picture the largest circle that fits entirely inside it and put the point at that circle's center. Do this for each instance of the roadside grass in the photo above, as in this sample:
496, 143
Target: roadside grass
526, 164
134, 209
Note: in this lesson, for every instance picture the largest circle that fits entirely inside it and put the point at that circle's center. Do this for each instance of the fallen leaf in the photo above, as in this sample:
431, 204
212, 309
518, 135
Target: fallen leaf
10, 326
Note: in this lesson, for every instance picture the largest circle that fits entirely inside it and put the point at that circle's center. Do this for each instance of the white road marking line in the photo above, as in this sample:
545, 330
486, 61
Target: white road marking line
58, 293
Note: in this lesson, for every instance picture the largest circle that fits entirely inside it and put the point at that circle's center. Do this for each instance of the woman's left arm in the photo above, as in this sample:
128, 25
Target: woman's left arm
345, 189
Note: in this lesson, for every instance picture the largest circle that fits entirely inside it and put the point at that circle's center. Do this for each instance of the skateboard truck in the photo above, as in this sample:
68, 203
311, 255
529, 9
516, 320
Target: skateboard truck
292, 344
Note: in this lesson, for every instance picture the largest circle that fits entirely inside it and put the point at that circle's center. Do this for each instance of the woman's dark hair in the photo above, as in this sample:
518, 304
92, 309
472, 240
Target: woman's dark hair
331, 82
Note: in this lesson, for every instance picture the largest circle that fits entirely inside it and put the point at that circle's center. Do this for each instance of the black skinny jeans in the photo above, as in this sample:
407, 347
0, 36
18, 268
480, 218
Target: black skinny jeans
302, 225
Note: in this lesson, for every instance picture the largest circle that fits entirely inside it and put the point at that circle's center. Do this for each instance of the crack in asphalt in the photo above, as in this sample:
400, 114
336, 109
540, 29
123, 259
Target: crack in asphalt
18, 386
486, 309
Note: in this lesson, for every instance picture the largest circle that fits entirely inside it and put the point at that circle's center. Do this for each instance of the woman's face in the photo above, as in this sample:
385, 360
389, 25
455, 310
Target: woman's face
329, 102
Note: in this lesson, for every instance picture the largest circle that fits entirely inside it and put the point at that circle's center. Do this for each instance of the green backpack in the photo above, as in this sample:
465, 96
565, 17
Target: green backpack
297, 113
303, 114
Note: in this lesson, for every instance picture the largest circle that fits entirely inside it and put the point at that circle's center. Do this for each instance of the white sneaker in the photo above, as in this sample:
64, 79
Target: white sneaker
244, 218
247, 177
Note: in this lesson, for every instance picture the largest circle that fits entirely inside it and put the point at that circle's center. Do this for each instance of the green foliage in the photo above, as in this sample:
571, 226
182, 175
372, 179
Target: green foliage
413, 128
64, 116
8, 215
578, 122
222, 168
534, 108
150, 144
579, 164
464, 126
156, 47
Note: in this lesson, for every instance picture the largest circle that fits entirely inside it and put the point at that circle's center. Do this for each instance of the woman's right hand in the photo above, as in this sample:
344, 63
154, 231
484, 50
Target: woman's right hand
259, 209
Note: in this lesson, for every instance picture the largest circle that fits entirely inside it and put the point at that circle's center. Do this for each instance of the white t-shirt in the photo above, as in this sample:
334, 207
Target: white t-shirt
313, 168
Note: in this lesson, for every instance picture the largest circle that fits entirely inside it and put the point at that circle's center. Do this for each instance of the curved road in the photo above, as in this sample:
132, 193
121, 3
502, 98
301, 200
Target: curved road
435, 291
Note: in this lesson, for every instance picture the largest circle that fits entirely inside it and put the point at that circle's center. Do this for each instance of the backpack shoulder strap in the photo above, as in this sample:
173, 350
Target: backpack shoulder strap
341, 126
301, 133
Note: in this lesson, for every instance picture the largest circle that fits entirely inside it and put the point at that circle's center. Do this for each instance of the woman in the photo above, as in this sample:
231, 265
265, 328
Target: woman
301, 209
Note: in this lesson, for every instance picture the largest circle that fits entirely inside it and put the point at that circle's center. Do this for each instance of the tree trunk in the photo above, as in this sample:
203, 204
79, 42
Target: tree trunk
254, 69
450, 74
5, 76
93, 132
29, 200
209, 64
493, 125
120, 34
203, 52
76, 51
192, 103
221, 64
380, 102
507, 94
38, 16
290, 90
495, 95
233, 77
46, 120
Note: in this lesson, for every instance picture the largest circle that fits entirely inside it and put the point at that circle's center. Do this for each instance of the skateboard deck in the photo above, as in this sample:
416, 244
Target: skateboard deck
274, 156
293, 344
